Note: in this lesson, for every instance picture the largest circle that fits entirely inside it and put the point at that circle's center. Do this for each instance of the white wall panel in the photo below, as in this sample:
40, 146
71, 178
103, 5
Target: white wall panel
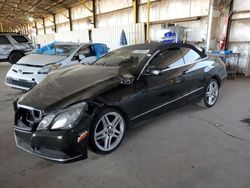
244, 50
44, 39
173, 9
110, 5
40, 31
135, 34
81, 36
73, 36
62, 17
50, 29
82, 24
240, 30
80, 11
241, 5
122, 17
63, 27
49, 21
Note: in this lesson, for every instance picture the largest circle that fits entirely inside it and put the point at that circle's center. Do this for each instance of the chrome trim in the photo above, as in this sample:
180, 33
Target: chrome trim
166, 103
142, 70
29, 108
21, 130
48, 158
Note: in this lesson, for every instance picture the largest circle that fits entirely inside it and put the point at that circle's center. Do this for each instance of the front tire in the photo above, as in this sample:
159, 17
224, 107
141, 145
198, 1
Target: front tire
211, 94
15, 57
107, 131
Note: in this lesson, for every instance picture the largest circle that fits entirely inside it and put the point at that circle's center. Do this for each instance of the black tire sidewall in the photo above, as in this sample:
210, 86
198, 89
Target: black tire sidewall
93, 125
205, 97
15, 57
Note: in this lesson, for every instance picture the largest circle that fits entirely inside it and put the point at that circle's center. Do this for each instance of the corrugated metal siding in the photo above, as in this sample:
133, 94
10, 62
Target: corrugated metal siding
44, 39
135, 34
73, 36
239, 39
69, 36
122, 17
172, 9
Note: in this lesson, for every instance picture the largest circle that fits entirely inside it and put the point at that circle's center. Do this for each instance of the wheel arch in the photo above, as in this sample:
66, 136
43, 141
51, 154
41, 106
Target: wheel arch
15, 51
101, 106
217, 78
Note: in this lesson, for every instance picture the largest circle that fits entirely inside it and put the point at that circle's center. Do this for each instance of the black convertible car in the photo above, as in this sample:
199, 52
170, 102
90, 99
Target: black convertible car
96, 104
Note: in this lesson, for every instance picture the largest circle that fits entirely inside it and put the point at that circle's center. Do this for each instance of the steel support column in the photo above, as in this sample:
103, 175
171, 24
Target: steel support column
94, 13
136, 11
229, 24
36, 28
44, 28
148, 21
70, 20
209, 24
54, 21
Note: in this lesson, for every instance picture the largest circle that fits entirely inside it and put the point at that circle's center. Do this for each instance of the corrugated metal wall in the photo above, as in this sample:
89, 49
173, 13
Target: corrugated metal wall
172, 9
160, 10
135, 34
81, 36
239, 39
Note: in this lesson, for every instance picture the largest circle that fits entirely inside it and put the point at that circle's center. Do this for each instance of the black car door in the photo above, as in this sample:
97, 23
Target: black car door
160, 91
194, 68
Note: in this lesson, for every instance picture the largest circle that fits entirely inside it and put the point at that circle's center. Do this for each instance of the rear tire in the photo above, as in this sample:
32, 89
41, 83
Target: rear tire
107, 131
15, 57
211, 94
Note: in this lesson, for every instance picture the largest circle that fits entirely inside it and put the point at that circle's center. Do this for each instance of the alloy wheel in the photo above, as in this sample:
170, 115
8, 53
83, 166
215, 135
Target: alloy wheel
212, 93
109, 131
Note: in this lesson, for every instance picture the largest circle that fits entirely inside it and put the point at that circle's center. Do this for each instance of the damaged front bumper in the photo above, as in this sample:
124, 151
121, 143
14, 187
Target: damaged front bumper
58, 146
61, 145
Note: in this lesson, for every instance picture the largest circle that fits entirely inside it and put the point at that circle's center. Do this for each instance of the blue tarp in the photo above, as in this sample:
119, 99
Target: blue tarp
100, 49
123, 39
47, 49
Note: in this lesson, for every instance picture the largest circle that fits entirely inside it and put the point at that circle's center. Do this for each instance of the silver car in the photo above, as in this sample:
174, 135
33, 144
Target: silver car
14, 46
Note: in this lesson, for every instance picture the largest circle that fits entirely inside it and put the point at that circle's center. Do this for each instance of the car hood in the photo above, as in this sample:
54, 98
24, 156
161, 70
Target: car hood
69, 85
40, 59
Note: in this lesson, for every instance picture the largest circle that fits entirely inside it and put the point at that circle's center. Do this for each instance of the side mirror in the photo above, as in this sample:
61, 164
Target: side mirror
153, 71
127, 79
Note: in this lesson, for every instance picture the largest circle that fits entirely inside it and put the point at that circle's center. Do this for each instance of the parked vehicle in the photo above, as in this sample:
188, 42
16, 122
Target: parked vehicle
97, 104
14, 46
32, 69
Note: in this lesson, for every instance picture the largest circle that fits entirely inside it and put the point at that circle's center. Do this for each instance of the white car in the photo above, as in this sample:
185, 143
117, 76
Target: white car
32, 69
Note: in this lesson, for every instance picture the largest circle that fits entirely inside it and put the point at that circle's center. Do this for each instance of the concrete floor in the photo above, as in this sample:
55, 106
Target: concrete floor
188, 147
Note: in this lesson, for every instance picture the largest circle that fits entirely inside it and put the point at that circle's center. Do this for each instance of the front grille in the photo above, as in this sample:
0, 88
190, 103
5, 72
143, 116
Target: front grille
21, 83
27, 119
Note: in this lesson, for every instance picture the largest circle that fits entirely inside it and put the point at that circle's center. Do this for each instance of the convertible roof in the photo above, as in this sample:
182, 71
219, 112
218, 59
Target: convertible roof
154, 46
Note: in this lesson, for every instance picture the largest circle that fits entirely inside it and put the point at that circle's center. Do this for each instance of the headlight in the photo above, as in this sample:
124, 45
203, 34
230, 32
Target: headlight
47, 120
63, 119
48, 68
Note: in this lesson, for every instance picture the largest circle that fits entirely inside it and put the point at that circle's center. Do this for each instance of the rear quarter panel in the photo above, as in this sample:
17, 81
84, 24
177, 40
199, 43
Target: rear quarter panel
215, 69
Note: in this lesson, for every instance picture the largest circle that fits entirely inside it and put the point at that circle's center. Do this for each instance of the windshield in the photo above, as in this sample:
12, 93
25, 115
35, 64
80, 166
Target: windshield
125, 57
61, 50
65, 50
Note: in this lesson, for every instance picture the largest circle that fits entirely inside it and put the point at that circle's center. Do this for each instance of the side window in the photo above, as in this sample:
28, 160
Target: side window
86, 51
168, 59
20, 39
4, 40
189, 55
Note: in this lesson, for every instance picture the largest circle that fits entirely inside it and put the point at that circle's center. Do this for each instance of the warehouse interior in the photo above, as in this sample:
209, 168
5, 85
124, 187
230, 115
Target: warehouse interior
187, 147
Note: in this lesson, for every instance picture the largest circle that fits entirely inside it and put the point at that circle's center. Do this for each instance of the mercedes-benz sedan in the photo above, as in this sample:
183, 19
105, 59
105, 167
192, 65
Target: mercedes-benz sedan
96, 104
